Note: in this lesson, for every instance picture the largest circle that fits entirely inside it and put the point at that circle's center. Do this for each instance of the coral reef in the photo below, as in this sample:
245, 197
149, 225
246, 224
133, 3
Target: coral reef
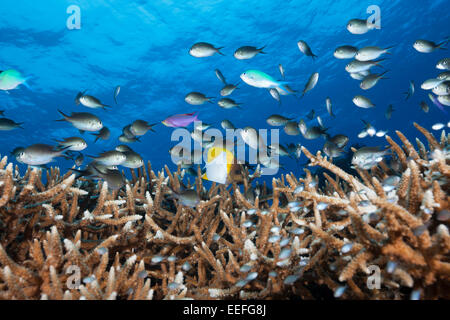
294, 239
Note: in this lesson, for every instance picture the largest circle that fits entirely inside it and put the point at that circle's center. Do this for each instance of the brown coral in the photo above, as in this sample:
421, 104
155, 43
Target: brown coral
71, 239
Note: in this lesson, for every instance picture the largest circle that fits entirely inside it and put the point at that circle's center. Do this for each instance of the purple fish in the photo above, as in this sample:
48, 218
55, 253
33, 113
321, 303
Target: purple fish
180, 120
437, 103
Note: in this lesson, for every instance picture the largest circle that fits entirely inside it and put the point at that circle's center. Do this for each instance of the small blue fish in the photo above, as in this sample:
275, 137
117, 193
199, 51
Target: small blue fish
221, 77
116, 93
388, 113
410, 91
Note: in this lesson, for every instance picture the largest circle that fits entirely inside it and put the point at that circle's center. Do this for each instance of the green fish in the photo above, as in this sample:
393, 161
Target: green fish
11, 79
259, 79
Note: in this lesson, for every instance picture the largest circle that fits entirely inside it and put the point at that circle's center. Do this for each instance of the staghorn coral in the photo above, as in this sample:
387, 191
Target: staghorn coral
139, 243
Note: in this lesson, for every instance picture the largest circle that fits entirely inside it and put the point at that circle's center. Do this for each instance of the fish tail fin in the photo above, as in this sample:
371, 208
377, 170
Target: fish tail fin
66, 156
81, 173
377, 62
389, 48
381, 75
386, 150
68, 153
97, 136
290, 90
281, 85
116, 93
61, 149
151, 126
77, 170
261, 49
98, 170
314, 56
104, 106
64, 115
437, 103
218, 50
442, 44
25, 83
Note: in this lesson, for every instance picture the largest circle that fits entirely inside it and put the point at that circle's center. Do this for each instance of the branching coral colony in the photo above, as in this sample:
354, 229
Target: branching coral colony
352, 238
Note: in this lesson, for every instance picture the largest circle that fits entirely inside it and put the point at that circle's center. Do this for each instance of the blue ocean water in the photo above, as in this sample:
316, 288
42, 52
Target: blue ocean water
143, 47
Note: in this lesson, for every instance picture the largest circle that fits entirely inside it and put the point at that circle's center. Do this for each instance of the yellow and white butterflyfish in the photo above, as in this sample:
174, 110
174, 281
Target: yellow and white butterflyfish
218, 165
